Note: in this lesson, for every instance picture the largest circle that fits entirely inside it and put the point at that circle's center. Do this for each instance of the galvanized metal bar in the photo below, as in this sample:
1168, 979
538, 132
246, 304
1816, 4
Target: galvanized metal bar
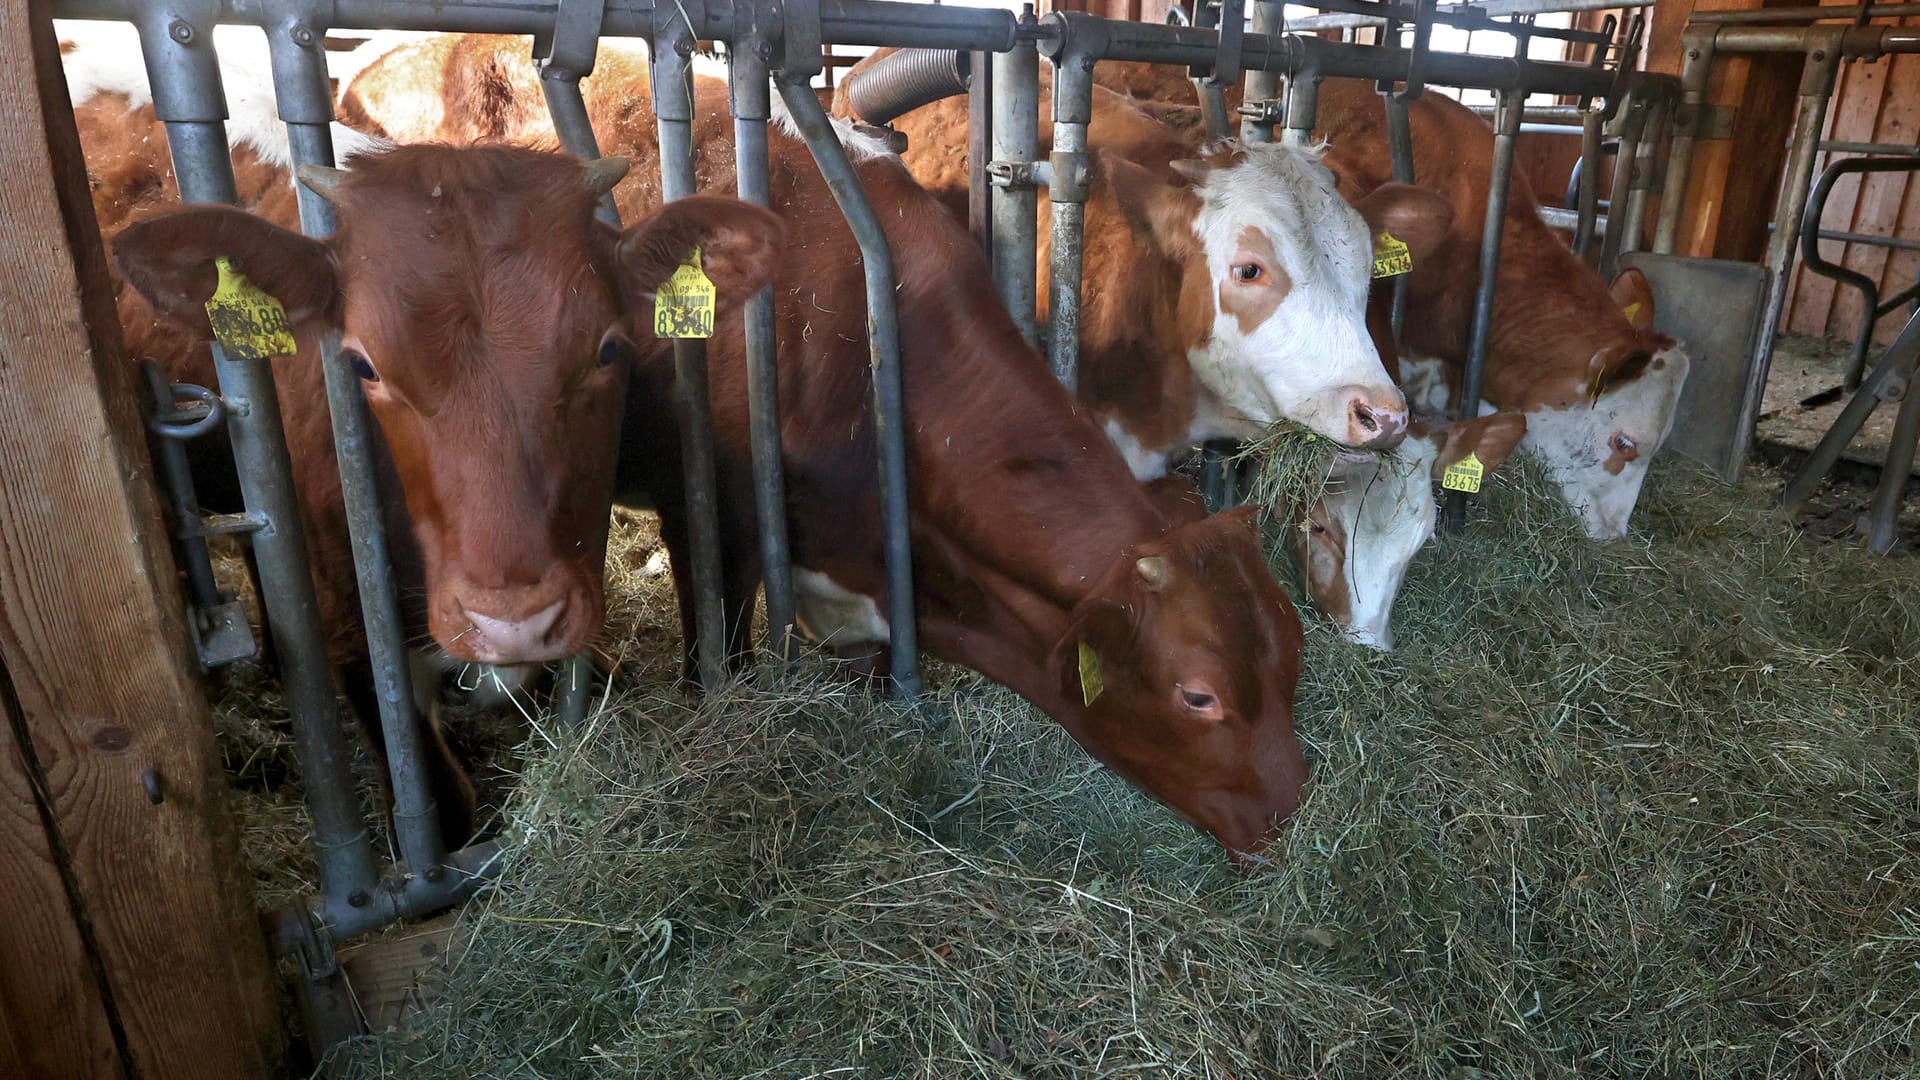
1894, 472
1631, 227
1848, 41
1893, 371
306, 106
1400, 153
1016, 137
1587, 206
1067, 194
1814, 262
1269, 18
1816, 88
185, 76
1696, 69
750, 90
889, 398
1633, 126
1892, 149
979, 151
396, 896
672, 44
1493, 8
1467, 405
1894, 242
564, 57
1303, 104
1805, 13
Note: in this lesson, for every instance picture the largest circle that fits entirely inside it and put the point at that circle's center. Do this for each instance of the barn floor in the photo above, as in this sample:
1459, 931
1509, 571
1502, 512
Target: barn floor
1650, 808
1810, 369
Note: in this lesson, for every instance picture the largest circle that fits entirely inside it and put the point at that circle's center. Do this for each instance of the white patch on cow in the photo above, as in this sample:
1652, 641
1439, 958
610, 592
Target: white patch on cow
1424, 380
1386, 508
832, 615
860, 147
1303, 362
106, 59
1146, 463
1576, 444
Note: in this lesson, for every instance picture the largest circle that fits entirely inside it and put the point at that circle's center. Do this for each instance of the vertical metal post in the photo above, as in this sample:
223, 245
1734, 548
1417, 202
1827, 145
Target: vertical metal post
1016, 137
1400, 147
187, 96
1269, 18
1895, 470
1467, 405
1695, 71
1303, 102
170, 459
1816, 87
889, 398
1630, 225
979, 150
1633, 124
306, 107
673, 107
1589, 201
565, 56
1067, 189
750, 92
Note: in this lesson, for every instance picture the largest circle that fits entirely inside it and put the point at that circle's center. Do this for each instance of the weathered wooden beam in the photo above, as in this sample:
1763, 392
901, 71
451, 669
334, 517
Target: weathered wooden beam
157, 966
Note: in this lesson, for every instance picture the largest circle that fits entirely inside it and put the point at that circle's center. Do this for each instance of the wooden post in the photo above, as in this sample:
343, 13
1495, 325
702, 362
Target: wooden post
1729, 205
128, 944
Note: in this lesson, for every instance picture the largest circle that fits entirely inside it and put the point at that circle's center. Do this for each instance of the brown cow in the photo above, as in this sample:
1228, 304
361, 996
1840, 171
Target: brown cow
484, 309
1579, 357
1167, 651
1224, 287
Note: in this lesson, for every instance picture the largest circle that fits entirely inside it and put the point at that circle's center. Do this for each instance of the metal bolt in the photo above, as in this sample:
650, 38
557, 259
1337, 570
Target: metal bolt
1086, 63
1693, 54
180, 31
302, 36
358, 898
1819, 55
684, 46
765, 49
435, 873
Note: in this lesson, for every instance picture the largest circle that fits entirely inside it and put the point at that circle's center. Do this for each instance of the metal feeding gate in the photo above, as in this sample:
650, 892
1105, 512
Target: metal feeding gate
771, 45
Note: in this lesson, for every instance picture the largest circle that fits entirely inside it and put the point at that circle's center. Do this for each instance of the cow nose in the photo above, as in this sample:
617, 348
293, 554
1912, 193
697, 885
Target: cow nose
530, 639
1376, 421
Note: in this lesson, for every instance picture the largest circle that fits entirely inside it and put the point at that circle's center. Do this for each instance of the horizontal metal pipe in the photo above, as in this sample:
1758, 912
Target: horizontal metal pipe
1893, 242
1562, 218
1887, 149
1857, 41
1492, 7
1803, 14
401, 896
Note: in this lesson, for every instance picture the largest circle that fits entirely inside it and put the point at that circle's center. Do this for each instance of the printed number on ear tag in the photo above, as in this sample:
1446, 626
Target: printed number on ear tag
1391, 257
1464, 475
683, 308
248, 324
1091, 686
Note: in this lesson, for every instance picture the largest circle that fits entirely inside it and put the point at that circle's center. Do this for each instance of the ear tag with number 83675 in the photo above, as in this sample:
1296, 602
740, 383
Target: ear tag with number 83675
1464, 475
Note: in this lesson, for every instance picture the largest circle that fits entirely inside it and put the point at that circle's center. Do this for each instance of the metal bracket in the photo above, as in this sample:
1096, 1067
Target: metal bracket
1704, 121
221, 634
569, 50
1229, 21
800, 43
1020, 175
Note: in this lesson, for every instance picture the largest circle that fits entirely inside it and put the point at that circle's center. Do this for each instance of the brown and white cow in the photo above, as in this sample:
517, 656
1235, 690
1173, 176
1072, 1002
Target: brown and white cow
1224, 286
483, 307
1166, 650
1578, 356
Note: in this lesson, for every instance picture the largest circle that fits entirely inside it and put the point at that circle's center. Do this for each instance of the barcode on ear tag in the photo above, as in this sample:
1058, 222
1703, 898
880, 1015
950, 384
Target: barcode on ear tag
248, 324
1464, 475
1391, 257
683, 308
1091, 685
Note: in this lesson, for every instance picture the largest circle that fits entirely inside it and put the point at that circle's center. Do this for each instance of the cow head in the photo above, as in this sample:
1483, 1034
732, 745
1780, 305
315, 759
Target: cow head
1598, 437
1178, 671
485, 311
1275, 271
1378, 511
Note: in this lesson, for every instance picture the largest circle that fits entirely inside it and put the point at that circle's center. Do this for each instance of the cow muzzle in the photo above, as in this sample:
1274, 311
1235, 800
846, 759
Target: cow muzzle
1376, 419
533, 625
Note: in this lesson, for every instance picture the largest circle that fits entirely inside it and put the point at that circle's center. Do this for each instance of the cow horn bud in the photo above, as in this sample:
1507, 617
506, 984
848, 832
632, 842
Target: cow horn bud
1192, 168
603, 173
1152, 570
321, 180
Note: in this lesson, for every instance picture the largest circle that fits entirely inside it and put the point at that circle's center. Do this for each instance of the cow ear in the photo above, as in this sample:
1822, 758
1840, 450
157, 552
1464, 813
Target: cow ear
169, 260
1634, 297
740, 246
1159, 204
1491, 438
1093, 653
1417, 217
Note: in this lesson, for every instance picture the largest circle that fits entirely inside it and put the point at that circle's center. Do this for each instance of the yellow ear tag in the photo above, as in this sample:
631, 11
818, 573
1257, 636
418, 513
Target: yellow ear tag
1464, 475
248, 324
1391, 258
1091, 686
1631, 311
683, 308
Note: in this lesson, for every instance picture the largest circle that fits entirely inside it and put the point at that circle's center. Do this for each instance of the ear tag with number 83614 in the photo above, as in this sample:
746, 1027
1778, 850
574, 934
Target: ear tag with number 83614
683, 308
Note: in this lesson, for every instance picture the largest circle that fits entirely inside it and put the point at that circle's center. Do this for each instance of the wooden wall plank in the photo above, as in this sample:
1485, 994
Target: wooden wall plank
90, 627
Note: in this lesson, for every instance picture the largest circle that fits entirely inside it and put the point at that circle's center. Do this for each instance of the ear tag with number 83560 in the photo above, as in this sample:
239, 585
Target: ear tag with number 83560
683, 308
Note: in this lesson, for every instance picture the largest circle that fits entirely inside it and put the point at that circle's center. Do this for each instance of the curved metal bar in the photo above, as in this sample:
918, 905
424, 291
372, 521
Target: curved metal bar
1811, 258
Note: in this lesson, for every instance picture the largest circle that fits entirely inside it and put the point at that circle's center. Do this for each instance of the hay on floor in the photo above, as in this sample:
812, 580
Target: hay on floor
1641, 809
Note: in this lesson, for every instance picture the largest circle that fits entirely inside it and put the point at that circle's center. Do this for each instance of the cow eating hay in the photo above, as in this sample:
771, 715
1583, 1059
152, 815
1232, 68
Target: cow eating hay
1620, 809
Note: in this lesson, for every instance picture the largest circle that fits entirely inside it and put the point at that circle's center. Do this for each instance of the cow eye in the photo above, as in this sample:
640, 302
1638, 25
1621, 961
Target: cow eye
1247, 272
614, 349
360, 364
1196, 700
1316, 528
